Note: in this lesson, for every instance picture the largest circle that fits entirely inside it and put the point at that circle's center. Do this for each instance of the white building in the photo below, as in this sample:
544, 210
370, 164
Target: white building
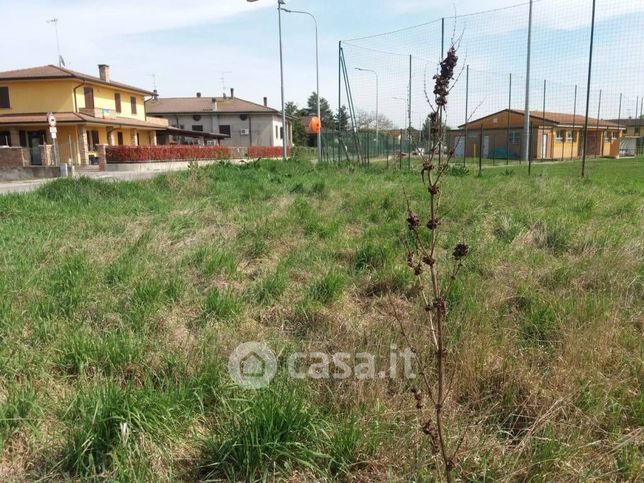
247, 123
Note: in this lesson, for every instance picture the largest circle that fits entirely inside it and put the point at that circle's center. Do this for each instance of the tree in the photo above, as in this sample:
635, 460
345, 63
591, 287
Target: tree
300, 138
325, 110
342, 119
292, 109
367, 121
425, 134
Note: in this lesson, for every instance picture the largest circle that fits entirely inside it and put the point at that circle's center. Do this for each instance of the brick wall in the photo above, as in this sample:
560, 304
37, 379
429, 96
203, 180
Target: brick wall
14, 157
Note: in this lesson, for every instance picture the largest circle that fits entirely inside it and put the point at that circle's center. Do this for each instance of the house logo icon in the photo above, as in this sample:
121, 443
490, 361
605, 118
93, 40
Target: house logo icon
252, 365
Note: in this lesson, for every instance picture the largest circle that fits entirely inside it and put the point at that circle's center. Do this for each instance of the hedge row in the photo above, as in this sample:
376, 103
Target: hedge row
142, 154
265, 152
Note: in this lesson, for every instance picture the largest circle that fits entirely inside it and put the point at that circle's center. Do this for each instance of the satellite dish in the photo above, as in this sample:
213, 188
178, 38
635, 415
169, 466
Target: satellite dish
61, 61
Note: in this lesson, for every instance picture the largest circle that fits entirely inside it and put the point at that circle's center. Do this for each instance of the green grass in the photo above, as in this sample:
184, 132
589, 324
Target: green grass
121, 302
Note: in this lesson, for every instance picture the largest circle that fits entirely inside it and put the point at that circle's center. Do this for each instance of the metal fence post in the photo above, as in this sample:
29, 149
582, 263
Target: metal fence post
467, 98
526, 113
507, 134
574, 120
409, 118
590, 71
601, 137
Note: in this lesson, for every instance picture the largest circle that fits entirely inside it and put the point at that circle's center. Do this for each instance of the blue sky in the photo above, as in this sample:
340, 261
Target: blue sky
186, 45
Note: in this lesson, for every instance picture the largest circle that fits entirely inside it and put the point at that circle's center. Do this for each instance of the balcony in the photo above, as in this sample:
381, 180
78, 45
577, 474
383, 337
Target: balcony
99, 113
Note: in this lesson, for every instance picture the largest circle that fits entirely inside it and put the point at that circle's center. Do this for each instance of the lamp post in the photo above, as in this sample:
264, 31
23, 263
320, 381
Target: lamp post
317, 73
377, 96
284, 127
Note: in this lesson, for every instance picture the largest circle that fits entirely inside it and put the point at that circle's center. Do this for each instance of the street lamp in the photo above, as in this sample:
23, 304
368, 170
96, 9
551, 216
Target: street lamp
284, 127
317, 73
377, 95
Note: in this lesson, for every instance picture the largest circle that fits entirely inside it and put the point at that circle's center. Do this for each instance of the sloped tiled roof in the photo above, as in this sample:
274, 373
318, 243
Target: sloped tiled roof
629, 122
569, 119
555, 118
232, 105
55, 72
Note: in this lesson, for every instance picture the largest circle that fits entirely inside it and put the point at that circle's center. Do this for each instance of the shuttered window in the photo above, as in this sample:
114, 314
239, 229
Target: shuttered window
133, 104
4, 98
117, 102
89, 97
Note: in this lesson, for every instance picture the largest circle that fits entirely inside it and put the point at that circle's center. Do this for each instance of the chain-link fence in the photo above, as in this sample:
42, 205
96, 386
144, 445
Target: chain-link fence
385, 80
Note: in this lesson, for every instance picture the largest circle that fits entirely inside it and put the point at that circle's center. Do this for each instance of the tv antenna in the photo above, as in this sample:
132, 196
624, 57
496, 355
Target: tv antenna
154, 82
223, 79
61, 61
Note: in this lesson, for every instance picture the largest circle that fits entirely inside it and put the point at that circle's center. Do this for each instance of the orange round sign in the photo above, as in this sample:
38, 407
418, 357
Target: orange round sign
315, 125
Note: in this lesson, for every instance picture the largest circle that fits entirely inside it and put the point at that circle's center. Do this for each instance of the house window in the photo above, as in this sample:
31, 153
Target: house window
92, 140
561, 134
281, 133
637, 131
515, 137
133, 104
117, 102
5, 138
119, 138
570, 136
197, 127
4, 98
277, 133
606, 136
89, 97
224, 129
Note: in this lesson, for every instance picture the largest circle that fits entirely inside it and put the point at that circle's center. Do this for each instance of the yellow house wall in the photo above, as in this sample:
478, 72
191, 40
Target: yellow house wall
144, 137
566, 149
39, 96
104, 99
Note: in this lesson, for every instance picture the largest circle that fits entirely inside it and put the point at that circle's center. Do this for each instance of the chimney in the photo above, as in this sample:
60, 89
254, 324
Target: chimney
198, 94
155, 95
104, 72
265, 101
214, 103
232, 93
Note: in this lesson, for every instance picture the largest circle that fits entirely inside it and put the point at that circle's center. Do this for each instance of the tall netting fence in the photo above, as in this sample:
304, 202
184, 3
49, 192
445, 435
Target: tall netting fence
385, 79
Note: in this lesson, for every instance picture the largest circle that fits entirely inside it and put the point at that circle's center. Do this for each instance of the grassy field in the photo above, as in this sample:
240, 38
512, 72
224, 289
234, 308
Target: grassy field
120, 304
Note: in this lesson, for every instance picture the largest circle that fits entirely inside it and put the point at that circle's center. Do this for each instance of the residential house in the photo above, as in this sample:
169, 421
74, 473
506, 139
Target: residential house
89, 111
632, 143
245, 123
553, 135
